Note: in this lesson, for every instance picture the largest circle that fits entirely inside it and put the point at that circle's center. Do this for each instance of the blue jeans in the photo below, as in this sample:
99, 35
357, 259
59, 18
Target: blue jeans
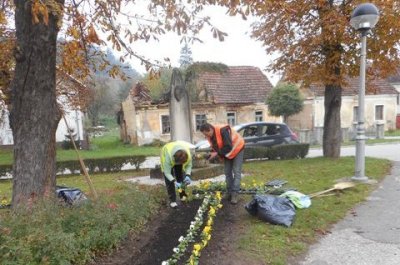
233, 172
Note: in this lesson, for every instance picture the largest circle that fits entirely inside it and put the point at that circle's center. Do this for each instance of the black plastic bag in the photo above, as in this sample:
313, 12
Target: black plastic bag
71, 196
272, 209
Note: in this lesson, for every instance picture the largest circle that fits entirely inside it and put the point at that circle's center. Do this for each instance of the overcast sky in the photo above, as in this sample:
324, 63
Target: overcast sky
238, 49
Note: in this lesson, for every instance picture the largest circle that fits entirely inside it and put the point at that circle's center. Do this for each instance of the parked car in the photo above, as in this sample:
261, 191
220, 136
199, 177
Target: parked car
260, 134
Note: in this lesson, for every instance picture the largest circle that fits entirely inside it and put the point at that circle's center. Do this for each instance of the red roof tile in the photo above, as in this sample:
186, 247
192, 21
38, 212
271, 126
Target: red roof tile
394, 78
373, 87
140, 93
239, 84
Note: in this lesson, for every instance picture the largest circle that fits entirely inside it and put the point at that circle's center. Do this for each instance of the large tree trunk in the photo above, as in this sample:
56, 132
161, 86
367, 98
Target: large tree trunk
332, 131
34, 113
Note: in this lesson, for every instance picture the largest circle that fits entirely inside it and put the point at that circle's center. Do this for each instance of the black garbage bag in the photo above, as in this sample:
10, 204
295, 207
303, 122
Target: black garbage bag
71, 196
272, 209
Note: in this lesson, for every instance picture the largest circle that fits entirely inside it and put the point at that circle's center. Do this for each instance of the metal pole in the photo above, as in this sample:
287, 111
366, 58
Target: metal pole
360, 138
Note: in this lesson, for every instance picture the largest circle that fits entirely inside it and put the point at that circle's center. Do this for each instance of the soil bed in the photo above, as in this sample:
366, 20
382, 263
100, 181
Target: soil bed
155, 244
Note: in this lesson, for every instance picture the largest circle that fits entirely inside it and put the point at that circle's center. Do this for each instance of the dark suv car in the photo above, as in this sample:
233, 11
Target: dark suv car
261, 134
266, 133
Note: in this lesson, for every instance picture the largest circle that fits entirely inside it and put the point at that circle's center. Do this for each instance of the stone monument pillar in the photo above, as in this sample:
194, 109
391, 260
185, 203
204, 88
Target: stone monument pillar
179, 109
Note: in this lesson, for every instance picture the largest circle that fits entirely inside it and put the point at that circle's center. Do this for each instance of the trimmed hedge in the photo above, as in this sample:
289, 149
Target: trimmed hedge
115, 164
287, 151
111, 164
4, 169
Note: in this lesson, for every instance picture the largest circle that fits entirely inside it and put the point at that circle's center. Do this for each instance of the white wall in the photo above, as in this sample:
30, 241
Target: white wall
349, 102
74, 119
6, 137
397, 87
75, 122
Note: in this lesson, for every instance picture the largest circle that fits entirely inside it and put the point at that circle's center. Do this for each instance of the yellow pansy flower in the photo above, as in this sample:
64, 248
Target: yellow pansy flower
207, 229
212, 211
206, 184
196, 247
4, 201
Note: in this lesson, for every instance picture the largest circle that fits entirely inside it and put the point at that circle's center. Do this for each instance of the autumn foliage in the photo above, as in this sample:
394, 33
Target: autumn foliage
312, 40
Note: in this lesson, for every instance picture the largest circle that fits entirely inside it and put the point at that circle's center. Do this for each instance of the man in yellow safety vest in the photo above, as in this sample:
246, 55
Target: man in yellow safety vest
176, 165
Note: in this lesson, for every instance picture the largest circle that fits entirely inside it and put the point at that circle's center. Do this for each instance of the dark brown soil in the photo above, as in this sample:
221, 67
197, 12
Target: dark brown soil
155, 244
228, 225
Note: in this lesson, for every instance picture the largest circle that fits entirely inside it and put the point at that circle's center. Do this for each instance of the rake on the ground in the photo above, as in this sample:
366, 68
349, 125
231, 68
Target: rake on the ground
337, 186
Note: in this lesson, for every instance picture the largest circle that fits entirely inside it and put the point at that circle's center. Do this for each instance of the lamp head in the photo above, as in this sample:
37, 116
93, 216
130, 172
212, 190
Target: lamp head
364, 17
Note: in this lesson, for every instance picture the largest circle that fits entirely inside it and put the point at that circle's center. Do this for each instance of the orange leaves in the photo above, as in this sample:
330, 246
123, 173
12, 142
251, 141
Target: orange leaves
92, 35
7, 62
114, 72
74, 33
74, 59
180, 27
39, 11
3, 19
317, 44
115, 42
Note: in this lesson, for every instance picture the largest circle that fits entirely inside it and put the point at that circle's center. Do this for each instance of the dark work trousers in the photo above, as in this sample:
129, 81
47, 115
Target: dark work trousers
233, 172
178, 173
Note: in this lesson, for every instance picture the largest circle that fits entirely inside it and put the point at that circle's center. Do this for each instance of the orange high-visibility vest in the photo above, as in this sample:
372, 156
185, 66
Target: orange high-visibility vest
237, 140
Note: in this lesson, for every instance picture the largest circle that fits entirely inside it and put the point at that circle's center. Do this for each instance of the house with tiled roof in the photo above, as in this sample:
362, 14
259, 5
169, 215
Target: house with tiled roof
394, 80
381, 101
228, 95
71, 101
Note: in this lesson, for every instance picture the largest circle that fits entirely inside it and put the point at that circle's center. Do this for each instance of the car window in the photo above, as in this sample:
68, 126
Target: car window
249, 131
271, 129
278, 130
240, 131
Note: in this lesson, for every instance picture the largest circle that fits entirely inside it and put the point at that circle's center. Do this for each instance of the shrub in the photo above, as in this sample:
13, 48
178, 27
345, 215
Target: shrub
156, 143
111, 164
67, 144
288, 151
4, 169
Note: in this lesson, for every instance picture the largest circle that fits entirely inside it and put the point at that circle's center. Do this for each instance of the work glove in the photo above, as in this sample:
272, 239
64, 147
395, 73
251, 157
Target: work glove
178, 185
187, 180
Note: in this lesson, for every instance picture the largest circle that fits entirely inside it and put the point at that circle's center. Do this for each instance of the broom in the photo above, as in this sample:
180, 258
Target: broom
338, 186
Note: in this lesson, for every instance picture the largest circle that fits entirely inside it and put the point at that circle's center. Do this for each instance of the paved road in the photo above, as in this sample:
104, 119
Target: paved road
370, 234
388, 151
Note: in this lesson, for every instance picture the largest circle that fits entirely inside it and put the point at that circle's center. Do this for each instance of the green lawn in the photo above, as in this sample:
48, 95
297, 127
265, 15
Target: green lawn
108, 145
274, 244
73, 235
392, 132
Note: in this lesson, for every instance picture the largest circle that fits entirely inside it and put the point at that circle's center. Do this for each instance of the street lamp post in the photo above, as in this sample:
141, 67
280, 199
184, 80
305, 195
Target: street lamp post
363, 19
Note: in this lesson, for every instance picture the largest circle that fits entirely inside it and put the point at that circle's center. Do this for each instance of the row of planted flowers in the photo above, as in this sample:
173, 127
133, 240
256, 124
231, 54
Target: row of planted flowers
205, 216
251, 187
